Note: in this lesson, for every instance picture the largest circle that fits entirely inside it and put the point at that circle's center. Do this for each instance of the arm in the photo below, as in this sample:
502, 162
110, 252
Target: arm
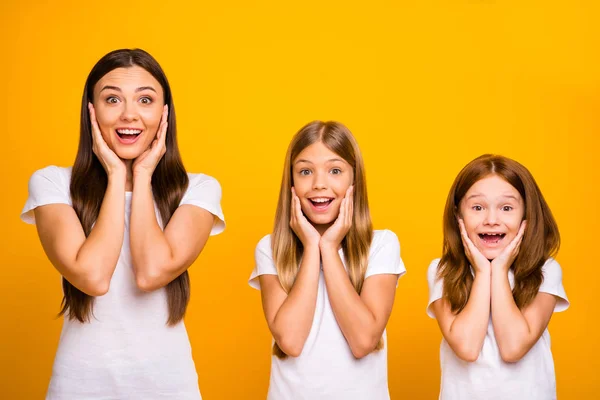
465, 331
362, 318
290, 315
87, 263
517, 330
161, 256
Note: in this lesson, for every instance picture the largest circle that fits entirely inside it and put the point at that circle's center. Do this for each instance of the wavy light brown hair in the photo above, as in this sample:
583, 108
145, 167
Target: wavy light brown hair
89, 181
540, 241
286, 246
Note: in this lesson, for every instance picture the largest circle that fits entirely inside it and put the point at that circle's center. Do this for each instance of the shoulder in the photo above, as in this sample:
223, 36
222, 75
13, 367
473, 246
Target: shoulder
203, 181
198, 179
52, 174
552, 268
433, 269
264, 244
383, 238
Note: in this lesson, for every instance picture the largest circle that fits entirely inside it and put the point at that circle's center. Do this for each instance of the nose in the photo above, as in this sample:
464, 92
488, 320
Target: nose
129, 112
491, 217
319, 181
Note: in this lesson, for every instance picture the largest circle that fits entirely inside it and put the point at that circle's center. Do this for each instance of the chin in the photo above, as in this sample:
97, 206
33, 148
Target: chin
320, 219
491, 253
128, 154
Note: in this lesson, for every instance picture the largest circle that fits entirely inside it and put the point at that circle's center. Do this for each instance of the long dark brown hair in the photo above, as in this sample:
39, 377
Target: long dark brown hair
540, 241
286, 246
89, 181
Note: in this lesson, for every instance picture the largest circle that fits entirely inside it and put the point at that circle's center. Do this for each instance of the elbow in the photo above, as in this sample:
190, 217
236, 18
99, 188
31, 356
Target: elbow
147, 282
511, 355
292, 348
468, 353
95, 286
364, 346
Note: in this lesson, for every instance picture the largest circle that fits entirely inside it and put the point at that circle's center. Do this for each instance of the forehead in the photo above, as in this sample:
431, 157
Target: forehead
492, 187
127, 79
317, 153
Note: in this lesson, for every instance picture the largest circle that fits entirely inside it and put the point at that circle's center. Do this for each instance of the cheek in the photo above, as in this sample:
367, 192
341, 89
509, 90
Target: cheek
151, 118
471, 224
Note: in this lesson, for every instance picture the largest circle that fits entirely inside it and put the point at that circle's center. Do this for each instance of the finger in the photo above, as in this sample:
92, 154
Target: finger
351, 206
516, 242
292, 207
298, 208
94, 123
467, 243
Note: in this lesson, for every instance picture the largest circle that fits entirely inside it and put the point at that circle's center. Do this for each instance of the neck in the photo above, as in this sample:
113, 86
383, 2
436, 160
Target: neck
322, 228
129, 179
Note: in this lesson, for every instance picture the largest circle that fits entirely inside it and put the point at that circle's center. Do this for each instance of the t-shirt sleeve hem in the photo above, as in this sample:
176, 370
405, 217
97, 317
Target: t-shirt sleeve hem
254, 282
27, 214
219, 224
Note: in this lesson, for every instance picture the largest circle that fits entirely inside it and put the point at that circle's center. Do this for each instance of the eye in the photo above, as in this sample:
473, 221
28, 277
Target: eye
336, 171
146, 100
112, 100
477, 208
507, 208
304, 172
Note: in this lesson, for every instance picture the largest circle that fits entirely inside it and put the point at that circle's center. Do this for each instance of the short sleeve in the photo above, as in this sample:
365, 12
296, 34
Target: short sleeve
205, 192
436, 285
264, 264
49, 185
384, 255
552, 284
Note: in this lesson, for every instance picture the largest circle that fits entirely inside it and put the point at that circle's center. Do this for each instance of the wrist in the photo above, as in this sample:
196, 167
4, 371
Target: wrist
327, 246
116, 174
142, 178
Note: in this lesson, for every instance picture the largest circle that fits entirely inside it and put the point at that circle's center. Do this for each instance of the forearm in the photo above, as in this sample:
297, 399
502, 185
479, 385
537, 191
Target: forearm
510, 326
97, 257
468, 329
356, 321
293, 321
150, 250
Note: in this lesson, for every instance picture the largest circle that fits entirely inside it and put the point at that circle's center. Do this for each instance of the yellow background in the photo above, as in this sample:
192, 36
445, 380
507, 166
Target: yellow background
425, 86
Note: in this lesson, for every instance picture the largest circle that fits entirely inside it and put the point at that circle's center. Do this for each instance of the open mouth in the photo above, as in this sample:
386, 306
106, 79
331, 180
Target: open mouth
128, 136
321, 203
491, 238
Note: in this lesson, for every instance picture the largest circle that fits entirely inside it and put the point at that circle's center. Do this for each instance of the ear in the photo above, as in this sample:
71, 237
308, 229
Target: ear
457, 213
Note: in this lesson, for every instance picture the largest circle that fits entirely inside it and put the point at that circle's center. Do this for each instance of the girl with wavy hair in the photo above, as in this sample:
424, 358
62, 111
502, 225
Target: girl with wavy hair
496, 285
327, 279
122, 226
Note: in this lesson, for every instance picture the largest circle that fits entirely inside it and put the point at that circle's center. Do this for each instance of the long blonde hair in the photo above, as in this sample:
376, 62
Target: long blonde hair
286, 246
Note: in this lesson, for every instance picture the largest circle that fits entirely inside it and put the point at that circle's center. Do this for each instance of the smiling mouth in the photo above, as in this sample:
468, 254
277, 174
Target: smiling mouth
128, 136
320, 203
491, 238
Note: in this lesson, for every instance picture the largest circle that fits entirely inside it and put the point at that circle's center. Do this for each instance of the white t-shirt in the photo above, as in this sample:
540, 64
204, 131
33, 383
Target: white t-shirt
490, 378
126, 351
326, 369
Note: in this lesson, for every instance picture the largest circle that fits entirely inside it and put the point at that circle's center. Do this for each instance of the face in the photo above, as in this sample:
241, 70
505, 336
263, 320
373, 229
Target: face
128, 104
492, 210
320, 179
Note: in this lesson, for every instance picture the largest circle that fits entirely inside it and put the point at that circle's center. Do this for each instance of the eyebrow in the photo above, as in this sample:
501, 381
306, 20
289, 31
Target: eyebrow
510, 196
310, 162
118, 89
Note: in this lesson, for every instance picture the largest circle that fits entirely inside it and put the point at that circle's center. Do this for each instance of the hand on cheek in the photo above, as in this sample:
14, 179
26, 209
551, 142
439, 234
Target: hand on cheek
505, 259
146, 163
334, 235
479, 262
109, 160
305, 231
